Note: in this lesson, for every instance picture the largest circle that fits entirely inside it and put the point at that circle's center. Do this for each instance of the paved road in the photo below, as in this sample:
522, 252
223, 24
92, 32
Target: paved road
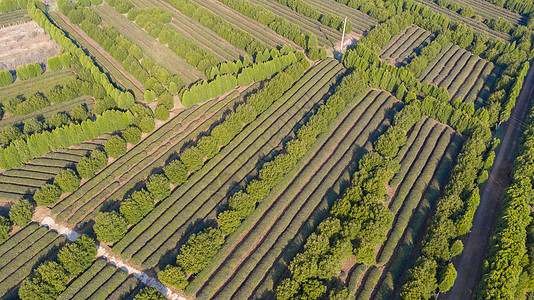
469, 264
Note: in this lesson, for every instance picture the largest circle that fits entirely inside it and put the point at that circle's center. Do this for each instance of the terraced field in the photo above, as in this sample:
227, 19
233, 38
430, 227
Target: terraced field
464, 75
402, 48
196, 201
23, 252
256, 255
425, 161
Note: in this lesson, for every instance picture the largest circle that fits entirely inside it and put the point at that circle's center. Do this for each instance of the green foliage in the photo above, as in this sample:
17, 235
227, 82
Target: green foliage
228, 221
173, 276
149, 96
115, 146
77, 257
110, 227
5, 78
192, 158
137, 206
421, 281
5, 228
67, 180
176, 172
89, 165
390, 142
448, 278
199, 249
21, 213
47, 195
132, 135
162, 113
208, 146
159, 186
47, 282
29, 71
149, 293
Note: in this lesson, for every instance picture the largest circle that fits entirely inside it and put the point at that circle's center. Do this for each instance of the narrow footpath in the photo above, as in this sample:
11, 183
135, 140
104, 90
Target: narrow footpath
469, 264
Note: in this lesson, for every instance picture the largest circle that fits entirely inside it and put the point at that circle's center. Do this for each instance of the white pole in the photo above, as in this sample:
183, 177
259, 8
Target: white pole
343, 36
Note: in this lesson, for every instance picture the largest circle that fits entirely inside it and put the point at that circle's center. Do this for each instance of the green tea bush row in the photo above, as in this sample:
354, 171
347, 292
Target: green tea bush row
313, 12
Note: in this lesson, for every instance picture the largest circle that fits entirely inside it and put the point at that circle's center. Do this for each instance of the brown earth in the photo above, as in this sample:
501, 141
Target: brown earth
23, 44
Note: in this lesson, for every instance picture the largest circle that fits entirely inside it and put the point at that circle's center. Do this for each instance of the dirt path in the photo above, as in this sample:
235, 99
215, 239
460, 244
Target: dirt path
42, 215
469, 264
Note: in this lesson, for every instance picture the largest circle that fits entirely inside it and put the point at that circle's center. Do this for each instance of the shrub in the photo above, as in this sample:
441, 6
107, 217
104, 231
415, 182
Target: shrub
138, 205
21, 212
158, 185
132, 135
47, 195
146, 124
5, 78
80, 113
88, 166
115, 146
173, 276
5, 228
29, 71
67, 180
149, 293
77, 257
228, 221
110, 227
149, 96
176, 172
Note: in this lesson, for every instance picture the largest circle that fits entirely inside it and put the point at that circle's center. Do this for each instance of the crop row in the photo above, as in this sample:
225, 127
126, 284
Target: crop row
412, 44
151, 47
109, 64
33, 85
137, 159
30, 250
398, 40
14, 17
487, 10
228, 167
193, 30
160, 156
325, 35
290, 214
360, 21
475, 24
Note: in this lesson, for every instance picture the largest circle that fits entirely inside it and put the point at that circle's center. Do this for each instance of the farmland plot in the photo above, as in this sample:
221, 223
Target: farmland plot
200, 197
475, 24
112, 67
23, 44
402, 48
23, 181
161, 54
14, 17
120, 177
325, 35
466, 76
490, 11
361, 22
41, 83
425, 161
23, 252
194, 31
255, 29
254, 257
102, 280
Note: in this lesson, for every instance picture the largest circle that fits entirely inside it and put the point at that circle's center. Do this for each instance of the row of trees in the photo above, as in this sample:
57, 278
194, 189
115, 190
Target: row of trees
111, 226
29, 71
222, 84
507, 270
51, 277
59, 62
196, 253
313, 12
466, 11
281, 26
6, 78
524, 7
122, 99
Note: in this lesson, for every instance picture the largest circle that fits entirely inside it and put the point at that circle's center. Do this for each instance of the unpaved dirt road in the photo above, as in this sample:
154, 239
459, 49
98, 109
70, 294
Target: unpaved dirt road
469, 264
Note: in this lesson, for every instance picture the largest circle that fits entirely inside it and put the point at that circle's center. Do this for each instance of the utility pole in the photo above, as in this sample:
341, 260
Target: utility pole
343, 36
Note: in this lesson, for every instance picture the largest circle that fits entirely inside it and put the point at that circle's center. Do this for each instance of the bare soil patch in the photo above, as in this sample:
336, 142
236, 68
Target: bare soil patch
23, 44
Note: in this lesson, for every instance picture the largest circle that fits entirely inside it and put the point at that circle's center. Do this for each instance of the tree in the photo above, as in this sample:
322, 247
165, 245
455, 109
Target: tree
162, 113
199, 250
80, 113
67, 180
173, 276
468, 12
77, 257
132, 135
115, 146
228, 221
5, 78
48, 281
21, 212
158, 185
149, 293
149, 96
137, 206
176, 172
5, 228
47, 195
193, 158
421, 280
208, 146
448, 278
110, 227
